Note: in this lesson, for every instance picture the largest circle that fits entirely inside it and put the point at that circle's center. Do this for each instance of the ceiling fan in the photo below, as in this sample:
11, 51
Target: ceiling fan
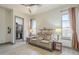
28, 6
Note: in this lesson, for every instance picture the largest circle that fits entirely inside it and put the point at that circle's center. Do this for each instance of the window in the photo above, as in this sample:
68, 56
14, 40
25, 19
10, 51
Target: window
66, 26
33, 26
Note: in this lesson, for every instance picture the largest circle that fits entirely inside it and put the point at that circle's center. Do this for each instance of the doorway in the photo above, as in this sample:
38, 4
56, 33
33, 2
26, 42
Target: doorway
19, 29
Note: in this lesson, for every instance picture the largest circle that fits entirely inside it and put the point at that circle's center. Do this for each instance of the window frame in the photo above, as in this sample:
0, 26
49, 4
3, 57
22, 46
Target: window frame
31, 25
63, 13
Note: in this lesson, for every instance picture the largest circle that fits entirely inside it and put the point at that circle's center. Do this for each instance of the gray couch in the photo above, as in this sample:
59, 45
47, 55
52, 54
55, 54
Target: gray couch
42, 43
43, 40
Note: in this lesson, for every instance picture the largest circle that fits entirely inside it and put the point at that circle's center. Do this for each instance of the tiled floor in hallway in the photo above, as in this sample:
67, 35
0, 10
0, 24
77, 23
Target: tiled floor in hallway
21, 48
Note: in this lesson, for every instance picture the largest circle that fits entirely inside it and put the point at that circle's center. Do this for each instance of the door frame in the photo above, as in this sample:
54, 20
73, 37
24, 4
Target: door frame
15, 27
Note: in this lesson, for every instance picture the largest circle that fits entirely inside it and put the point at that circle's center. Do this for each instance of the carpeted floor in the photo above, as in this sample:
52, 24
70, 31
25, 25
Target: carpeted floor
21, 48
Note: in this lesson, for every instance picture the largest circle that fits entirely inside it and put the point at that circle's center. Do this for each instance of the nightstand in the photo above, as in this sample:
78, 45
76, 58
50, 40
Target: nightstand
57, 46
29, 38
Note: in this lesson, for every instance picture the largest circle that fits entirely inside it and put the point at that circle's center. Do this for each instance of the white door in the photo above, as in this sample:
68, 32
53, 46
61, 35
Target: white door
2, 26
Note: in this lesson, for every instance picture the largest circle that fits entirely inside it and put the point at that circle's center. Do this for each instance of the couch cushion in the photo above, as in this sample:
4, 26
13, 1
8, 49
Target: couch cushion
34, 39
40, 38
44, 41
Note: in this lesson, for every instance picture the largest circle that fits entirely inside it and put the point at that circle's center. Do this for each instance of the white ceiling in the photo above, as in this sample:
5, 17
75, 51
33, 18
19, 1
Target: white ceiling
35, 9
45, 7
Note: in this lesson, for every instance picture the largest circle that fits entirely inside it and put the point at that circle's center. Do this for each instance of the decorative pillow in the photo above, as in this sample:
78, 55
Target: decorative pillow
47, 38
40, 38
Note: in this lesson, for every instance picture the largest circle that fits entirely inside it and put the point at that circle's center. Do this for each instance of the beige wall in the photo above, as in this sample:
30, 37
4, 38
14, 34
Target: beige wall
52, 19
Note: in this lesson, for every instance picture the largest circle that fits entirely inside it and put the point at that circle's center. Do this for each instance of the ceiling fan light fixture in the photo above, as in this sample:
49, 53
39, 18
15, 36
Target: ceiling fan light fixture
31, 7
28, 10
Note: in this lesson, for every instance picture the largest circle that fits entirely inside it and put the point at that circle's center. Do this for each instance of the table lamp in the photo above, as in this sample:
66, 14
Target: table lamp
31, 32
58, 31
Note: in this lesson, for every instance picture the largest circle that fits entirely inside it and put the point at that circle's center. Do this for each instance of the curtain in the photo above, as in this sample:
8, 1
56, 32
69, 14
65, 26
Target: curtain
72, 13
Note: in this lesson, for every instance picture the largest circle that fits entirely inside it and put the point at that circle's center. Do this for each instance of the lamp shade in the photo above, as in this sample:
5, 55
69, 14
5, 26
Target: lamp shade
31, 30
58, 30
